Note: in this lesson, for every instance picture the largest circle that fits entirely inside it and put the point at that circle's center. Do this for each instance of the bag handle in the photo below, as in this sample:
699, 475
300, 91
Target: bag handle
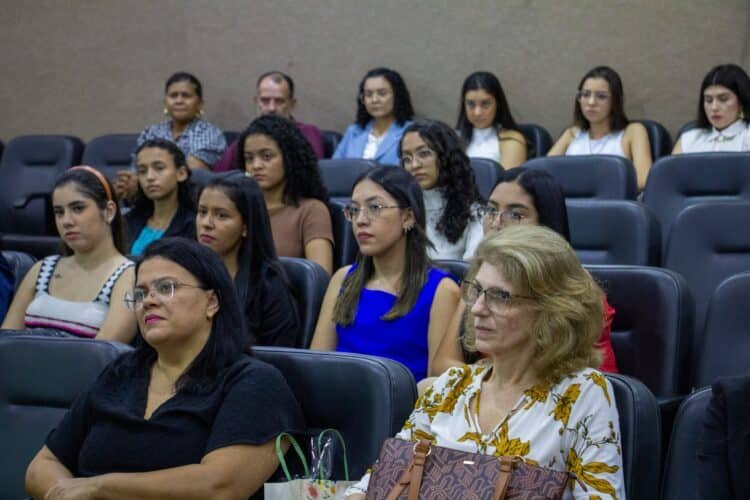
336, 433
412, 476
297, 449
507, 464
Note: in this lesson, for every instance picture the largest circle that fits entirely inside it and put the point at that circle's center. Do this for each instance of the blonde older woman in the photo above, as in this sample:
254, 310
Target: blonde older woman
537, 314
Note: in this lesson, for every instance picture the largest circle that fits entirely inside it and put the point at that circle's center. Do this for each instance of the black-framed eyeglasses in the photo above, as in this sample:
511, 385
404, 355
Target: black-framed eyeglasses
370, 211
505, 217
163, 288
496, 299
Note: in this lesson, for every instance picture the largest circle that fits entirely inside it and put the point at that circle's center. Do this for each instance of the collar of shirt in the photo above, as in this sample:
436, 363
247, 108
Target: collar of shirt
728, 133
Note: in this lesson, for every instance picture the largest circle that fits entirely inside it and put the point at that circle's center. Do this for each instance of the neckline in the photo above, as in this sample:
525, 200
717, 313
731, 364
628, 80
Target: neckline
731, 131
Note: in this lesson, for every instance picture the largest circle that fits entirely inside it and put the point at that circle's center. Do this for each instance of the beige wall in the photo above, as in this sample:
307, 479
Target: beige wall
93, 67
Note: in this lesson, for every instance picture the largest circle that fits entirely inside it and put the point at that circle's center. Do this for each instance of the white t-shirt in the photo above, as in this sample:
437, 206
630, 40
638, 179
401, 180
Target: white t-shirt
735, 137
464, 248
371, 148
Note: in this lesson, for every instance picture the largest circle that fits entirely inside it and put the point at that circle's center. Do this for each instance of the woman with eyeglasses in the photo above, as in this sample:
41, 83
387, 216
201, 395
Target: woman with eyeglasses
432, 152
486, 124
523, 197
383, 111
601, 127
391, 302
190, 413
536, 314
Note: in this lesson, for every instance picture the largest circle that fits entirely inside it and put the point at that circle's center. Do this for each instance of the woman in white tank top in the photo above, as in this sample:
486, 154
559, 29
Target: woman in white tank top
601, 126
722, 123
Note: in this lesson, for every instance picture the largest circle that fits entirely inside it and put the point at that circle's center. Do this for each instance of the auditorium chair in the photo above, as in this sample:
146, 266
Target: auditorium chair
110, 153
687, 126
538, 137
591, 176
366, 398
613, 232
457, 268
20, 263
331, 140
658, 138
309, 282
487, 173
39, 379
230, 136
676, 182
345, 248
339, 176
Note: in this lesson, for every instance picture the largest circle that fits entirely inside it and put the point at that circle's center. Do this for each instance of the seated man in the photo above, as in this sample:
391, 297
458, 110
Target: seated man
275, 95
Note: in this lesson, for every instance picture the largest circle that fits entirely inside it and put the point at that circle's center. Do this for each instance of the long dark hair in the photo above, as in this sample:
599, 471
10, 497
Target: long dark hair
402, 108
142, 205
455, 176
228, 339
732, 77
92, 187
618, 120
300, 163
402, 186
484, 80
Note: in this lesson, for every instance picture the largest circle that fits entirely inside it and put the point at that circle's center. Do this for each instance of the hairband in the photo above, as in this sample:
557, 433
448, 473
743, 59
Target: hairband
99, 176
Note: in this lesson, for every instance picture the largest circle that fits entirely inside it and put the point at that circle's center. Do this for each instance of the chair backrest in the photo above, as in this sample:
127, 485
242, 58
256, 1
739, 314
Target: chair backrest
658, 138
487, 173
309, 282
36, 246
457, 268
724, 345
366, 398
20, 263
331, 140
653, 325
639, 434
345, 248
110, 153
230, 136
676, 182
39, 379
681, 467
538, 136
29, 167
339, 175
688, 126
607, 177
613, 232
708, 243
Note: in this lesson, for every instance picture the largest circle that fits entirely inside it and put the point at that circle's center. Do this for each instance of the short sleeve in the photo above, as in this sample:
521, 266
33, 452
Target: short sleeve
66, 440
316, 222
209, 144
257, 407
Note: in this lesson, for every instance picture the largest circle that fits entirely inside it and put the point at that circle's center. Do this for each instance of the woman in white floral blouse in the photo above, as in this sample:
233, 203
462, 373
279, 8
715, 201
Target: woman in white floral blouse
537, 314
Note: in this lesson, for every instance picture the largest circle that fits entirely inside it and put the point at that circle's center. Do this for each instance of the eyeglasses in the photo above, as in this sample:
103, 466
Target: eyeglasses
585, 95
368, 95
497, 300
422, 155
164, 288
370, 211
493, 215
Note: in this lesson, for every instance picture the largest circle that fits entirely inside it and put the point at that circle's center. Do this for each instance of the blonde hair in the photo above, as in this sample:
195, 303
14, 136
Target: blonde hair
539, 263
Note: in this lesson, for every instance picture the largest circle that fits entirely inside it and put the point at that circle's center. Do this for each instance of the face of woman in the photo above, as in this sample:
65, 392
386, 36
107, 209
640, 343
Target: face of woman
264, 162
480, 107
512, 205
175, 310
419, 160
721, 105
157, 174
218, 223
378, 98
182, 102
377, 222
80, 222
595, 99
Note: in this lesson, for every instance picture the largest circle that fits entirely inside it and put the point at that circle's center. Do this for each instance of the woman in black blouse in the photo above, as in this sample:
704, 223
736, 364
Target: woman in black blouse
189, 412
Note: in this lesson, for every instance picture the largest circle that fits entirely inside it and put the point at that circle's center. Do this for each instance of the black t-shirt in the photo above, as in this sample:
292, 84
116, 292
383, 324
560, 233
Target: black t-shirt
277, 322
105, 431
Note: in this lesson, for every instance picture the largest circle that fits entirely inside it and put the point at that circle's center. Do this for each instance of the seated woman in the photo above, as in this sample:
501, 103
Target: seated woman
232, 220
189, 413
536, 313
601, 126
724, 447
391, 302
200, 141
486, 124
525, 197
275, 153
383, 111
82, 292
432, 152
721, 124
163, 205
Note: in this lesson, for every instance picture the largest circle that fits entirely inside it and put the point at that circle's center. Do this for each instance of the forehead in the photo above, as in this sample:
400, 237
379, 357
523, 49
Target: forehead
155, 154
490, 276
269, 88
412, 141
183, 86
68, 193
155, 268
478, 95
257, 142
367, 190
595, 84
216, 197
377, 83
511, 193
714, 90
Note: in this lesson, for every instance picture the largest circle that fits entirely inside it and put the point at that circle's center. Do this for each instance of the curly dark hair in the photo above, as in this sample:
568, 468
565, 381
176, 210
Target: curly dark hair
455, 181
402, 108
300, 163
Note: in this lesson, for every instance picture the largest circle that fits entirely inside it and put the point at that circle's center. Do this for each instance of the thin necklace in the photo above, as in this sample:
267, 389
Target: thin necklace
601, 143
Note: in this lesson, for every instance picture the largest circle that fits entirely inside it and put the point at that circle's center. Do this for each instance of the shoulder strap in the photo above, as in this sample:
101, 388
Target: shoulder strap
106, 290
45, 273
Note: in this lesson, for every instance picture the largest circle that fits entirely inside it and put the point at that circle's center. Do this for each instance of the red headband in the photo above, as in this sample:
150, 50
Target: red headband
99, 176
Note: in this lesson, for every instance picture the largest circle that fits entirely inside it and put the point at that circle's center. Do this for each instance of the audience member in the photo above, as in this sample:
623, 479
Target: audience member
432, 152
525, 197
276, 154
7, 284
391, 302
486, 124
189, 413
274, 96
232, 220
721, 124
601, 126
82, 292
383, 111
163, 204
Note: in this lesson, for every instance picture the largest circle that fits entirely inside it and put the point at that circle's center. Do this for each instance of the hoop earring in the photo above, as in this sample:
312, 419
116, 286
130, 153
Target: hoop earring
741, 116
166, 113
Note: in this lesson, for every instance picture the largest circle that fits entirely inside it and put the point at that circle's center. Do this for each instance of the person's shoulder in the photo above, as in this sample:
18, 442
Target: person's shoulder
591, 384
513, 135
204, 125
308, 127
355, 129
250, 369
312, 205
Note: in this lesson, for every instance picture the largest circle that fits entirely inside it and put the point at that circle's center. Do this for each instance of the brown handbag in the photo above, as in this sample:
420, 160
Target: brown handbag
411, 471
